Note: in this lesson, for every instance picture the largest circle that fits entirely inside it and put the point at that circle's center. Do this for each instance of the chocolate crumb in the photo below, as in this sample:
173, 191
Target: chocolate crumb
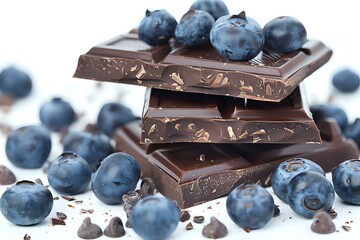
189, 226
115, 228
70, 206
323, 223
27, 237
198, 219
184, 216
55, 198
61, 216
276, 211
79, 201
7, 177
346, 228
86, 211
209, 207
91, 128
55, 221
89, 230
68, 198
248, 230
332, 213
215, 229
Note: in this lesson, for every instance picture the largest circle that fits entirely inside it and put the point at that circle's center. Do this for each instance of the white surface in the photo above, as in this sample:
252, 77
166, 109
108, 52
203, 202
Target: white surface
45, 38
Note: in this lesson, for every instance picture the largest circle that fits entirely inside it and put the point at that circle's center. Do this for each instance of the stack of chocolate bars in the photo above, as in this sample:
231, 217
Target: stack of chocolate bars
210, 124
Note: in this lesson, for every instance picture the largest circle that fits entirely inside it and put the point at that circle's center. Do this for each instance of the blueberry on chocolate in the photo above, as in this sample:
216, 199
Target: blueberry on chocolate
15, 82
26, 203
284, 34
217, 8
194, 28
237, 37
346, 180
157, 27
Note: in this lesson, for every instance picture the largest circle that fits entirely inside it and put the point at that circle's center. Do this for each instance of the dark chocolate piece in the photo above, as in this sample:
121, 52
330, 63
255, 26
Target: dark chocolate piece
323, 223
61, 216
115, 228
189, 117
181, 175
215, 229
55, 221
198, 219
184, 216
7, 177
267, 77
189, 226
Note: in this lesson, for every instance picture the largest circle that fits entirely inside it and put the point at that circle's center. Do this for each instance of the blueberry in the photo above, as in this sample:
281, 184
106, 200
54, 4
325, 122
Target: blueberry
237, 37
346, 180
28, 146
310, 192
323, 111
216, 8
346, 81
15, 82
250, 206
284, 34
112, 116
69, 174
194, 28
154, 217
26, 203
93, 147
57, 114
157, 27
286, 170
118, 173
353, 131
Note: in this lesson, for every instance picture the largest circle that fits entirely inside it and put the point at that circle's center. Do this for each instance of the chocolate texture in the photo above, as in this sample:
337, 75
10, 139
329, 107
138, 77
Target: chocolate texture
188, 117
267, 77
194, 173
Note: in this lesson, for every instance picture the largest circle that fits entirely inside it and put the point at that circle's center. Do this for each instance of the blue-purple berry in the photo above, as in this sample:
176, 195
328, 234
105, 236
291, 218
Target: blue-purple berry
15, 82
322, 111
352, 131
250, 206
217, 8
284, 34
346, 81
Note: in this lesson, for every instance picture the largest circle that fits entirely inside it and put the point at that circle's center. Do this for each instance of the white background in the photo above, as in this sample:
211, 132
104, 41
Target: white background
45, 39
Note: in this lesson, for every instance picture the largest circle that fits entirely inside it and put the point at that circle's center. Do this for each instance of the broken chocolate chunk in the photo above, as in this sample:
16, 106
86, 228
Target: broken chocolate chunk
215, 229
55, 221
189, 226
184, 216
61, 216
199, 219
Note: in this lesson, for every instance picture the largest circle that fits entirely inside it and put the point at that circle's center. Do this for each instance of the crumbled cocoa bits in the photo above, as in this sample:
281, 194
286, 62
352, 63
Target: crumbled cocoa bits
198, 219
115, 228
346, 228
215, 229
189, 226
61, 216
184, 216
323, 223
69, 198
276, 211
27, 237
7, 177
55, 221
89, 230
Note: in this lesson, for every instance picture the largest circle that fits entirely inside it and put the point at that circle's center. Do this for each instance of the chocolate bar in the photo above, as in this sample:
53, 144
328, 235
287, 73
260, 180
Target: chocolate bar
190, 117
194, 173
267, 77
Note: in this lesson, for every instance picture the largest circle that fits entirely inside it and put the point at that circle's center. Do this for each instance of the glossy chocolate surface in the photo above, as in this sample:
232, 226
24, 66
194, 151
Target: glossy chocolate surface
188, 117
193, 173
267, 77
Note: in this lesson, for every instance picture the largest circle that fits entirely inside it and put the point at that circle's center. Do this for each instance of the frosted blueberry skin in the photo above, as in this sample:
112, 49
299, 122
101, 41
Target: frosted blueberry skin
216, 8
194, 28
250, 206
118, 173
322, 111
237, 37
154, 217
284, 34
286, 170
346, 81
28, 146
57, 114
157, 27
346, 180
93, 147
15, 82
353, 131
310, 192
26, 203
69, 174
113, 115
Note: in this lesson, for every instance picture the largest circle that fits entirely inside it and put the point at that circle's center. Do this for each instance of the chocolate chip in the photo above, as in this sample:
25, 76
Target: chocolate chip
27, 236
89, 230
184, 216
199, 219
55, 221
276, 211
115, 228
7, 177
189, 226
61, 216
323, 223
215, 229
